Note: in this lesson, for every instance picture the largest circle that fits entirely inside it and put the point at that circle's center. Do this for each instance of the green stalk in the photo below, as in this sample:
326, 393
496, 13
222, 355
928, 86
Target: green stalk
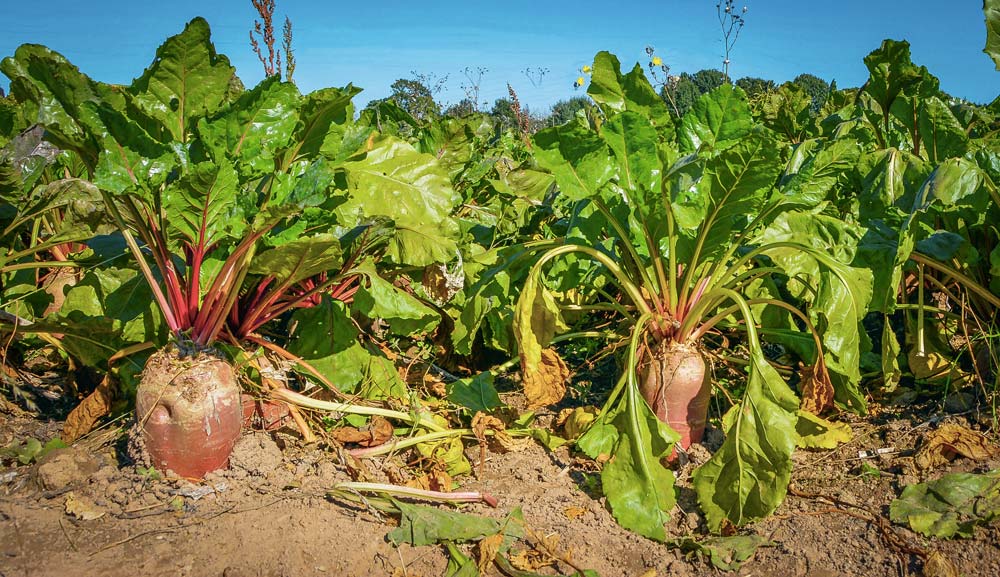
627, 285
399, 444
316, 404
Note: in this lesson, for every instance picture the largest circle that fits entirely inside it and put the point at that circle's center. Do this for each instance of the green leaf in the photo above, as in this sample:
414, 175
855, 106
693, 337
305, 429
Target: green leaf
60, 91
815, 432
839, 293
299, 259
639, 489
631, 92
991, 9
255, 127
577, 156
891, 73
380, 299
747, 478
421, 525
717, 120
816, 179
202, 206
950, 506
411, 188
941, 134
327, 339
323, 123
187, 80
633, 140
476, 393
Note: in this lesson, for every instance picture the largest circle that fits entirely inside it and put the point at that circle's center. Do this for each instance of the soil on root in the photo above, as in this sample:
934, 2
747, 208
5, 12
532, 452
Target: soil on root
82, 512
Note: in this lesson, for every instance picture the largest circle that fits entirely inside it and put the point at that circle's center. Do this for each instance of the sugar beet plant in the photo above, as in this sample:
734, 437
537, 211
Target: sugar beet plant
693, 238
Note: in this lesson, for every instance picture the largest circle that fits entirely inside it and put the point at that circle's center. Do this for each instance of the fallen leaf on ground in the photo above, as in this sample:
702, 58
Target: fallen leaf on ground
546, 384
531, 560
950, 441
378, 432
82, 508
950, 506
575, 512
815, 432
937, 565
487, 551
435, 480
500, 440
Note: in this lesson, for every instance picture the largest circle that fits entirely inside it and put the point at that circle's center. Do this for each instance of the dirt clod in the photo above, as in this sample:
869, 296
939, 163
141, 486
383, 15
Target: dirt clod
68, 467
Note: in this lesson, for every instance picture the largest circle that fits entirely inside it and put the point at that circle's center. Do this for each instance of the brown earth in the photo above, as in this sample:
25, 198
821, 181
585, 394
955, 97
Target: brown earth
84, 511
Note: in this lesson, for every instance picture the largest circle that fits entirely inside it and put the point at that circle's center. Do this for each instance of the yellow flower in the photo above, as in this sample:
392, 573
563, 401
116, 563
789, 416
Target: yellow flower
585, 69
657, 61
579, 81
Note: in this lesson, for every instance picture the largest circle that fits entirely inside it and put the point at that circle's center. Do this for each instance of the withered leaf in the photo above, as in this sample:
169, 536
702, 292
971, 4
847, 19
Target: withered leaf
82, 508
950, 441
817, 389
82, 419
378, 432
486, 551
546, 384
937, 565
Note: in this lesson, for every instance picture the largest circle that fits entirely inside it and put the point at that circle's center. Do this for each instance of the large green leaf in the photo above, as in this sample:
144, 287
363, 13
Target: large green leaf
819, 174
717, 120
639, 489
105, 311
254, 127
735, 186
323, 121
941, 134
991, 9
60, 91
396, 181
129, 159
299, 259
187, 80
891, 73
577, 156
327, 339
950, 506
816, 253
631, 92
632, 139
202, 206
747, 478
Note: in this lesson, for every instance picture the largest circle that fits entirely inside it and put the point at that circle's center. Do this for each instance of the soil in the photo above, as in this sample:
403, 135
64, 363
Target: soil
85, 510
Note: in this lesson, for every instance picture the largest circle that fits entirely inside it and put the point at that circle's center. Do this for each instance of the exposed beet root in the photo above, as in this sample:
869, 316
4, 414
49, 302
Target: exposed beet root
189, 412
677, 388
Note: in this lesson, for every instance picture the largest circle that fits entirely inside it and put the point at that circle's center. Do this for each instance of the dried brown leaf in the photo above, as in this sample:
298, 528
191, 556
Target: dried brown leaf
378, 432
487, 550
82, 508
817, 389
500, 440
435, 480
531, 560
546, 384
937, 565
950, 441
82, 419
574, 512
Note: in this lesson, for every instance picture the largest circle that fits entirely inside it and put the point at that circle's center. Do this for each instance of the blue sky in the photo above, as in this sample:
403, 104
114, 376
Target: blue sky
372, 43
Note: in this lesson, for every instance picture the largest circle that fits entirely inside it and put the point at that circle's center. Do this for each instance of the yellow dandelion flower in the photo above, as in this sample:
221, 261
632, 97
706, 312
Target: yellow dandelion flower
585, 69
579, 81
657, 61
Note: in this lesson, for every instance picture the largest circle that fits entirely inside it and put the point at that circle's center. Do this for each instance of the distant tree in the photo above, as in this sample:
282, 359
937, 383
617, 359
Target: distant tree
565, 110
708, 80
815, 87
503, 113
414, 97
754, 87
463, 107
681, 92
